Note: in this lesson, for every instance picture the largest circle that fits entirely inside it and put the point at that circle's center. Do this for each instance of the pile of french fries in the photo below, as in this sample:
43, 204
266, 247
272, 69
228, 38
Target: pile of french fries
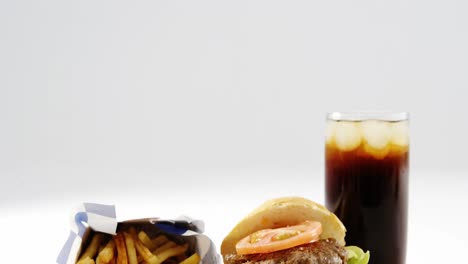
132, 247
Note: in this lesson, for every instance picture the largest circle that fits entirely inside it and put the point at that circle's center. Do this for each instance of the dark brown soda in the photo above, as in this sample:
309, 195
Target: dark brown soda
370, 196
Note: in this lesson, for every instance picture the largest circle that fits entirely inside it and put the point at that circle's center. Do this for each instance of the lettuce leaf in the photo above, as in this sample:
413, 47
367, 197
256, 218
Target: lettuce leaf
357, 255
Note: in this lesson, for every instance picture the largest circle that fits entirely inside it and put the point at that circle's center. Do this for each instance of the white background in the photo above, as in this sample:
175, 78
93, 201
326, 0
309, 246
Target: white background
208, 108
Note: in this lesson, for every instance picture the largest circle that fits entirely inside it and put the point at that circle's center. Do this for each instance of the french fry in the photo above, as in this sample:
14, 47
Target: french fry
194, 259
151, 244
92, 248
158, 241
122, 257
131, 251
144, 238
145, 253
171, 252
99, 261
132, 231
107, 253
167, 245
132, 247
86, 260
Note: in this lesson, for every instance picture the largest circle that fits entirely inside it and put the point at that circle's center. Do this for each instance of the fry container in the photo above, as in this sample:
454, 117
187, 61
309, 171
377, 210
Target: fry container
90, 217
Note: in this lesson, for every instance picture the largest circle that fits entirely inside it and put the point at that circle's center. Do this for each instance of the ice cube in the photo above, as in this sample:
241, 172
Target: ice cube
377, 153
347, 135
330, 131
400, 133
377, 134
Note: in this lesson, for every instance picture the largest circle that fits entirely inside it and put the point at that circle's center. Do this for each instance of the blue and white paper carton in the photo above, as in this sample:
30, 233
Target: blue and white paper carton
91, 217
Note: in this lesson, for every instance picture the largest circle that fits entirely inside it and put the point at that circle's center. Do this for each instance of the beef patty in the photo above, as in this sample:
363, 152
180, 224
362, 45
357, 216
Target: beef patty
319, 252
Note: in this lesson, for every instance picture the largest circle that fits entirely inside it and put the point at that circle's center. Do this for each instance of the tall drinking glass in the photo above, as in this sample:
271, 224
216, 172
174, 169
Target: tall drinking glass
366, 180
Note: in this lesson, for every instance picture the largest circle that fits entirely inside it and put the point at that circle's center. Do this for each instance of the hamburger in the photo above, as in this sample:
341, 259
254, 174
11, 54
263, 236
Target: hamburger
290, 230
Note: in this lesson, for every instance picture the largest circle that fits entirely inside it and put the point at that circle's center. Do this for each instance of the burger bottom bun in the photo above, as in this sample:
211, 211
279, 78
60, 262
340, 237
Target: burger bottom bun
281, 212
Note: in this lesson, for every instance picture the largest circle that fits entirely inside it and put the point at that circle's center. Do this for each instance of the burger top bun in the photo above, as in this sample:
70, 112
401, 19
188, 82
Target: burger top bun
281, 212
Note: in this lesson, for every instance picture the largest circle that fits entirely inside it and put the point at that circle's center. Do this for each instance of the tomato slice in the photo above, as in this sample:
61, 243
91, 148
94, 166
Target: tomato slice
271, 240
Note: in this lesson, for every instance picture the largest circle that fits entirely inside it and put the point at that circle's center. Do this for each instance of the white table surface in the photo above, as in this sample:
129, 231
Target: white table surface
33, 230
